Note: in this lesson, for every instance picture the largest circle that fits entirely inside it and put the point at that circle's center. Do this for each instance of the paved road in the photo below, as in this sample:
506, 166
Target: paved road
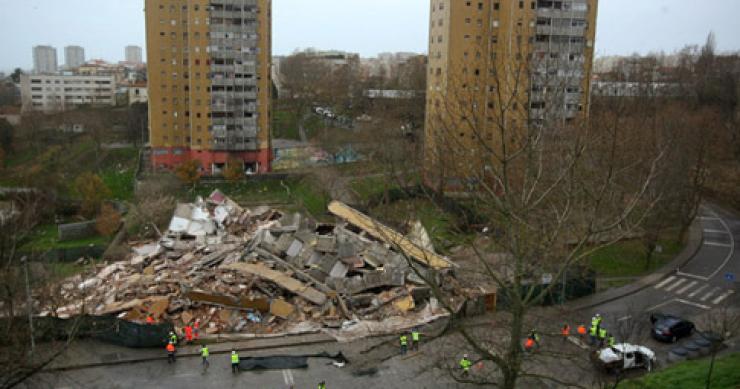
696, 288
187, 373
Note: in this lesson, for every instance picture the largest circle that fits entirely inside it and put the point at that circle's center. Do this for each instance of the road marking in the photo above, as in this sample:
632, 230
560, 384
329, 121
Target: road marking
709, 218
659, 305
687, 287
711, 292
700, 278
692, 303
692, 294
711, 231
727, 258
675, 284
667, 280
625, 318
717, 244
722, 297
288, 377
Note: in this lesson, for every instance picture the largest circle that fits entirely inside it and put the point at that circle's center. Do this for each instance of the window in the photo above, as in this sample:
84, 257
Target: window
480, 6
521, 5
467, 3
467, 20
495, 6
533, 5
494, 39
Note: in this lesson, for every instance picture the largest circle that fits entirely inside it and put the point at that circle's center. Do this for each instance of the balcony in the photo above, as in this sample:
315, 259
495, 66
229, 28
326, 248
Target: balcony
566, 31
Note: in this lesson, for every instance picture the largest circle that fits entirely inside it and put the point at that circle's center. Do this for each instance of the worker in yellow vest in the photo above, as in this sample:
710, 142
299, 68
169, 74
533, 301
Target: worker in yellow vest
404, 343
234, 361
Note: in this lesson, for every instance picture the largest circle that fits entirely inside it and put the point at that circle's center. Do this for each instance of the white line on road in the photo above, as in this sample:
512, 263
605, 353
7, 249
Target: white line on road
692, 303
675, 284
700, 278
687, 287
712, 231
717, 244
667, 280
711, 292
623, 318
659, 305
732, 249
722, 297
692, 294
708, 218
288, 378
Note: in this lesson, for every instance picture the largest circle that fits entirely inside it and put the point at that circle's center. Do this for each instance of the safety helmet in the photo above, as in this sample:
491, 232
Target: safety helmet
233, 351
172, 333
598, 315
465, 355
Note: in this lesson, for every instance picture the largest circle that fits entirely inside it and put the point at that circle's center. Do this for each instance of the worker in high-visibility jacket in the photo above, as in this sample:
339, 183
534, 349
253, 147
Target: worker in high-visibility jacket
593, 334
404, 340
204, 353
173, 337
610, 340
602, 336
581, 330
565, 331
322, 385
465, 365
528, 344
170, 353
234, 361
415, 337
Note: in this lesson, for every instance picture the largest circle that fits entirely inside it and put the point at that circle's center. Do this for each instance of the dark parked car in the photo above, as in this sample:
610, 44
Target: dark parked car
669, 328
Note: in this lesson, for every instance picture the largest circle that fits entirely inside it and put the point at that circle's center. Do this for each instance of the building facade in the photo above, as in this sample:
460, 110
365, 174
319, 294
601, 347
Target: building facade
44, 59
53, 93
74, 57
133, 55
497, 64
209, 82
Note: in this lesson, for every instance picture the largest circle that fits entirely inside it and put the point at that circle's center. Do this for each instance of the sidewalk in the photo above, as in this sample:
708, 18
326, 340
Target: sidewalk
692, 247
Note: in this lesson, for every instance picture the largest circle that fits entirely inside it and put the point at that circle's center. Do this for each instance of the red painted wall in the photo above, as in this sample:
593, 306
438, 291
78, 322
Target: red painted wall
170, 158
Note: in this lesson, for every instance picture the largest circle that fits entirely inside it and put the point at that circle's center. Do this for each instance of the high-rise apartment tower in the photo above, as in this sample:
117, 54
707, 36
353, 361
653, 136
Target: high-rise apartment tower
208, 64
44, 59
74, 56
501, 65
133, 54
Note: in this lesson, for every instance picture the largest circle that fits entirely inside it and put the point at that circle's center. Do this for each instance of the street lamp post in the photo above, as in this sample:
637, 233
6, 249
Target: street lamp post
29, 303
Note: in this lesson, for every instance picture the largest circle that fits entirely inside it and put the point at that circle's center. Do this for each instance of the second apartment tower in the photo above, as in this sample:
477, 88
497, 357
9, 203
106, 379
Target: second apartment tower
209, 83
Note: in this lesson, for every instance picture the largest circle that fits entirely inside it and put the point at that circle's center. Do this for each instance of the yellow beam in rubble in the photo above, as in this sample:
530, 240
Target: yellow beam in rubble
388, 235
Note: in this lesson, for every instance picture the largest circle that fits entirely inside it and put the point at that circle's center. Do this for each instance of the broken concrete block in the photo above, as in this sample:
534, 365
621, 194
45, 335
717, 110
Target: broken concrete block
281, 279
294, 248
281, 309
339, 270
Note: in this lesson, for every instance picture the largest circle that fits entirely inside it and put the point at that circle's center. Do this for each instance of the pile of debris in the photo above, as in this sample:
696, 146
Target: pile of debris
261, 271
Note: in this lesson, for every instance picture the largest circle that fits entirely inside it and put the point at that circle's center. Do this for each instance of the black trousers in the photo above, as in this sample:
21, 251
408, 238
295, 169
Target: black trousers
234, 367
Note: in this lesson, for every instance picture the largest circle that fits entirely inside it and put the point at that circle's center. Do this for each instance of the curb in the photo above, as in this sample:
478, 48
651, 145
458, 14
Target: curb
695, 240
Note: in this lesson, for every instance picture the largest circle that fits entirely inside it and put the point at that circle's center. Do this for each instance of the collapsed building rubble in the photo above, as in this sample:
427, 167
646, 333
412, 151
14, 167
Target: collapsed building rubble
264, 272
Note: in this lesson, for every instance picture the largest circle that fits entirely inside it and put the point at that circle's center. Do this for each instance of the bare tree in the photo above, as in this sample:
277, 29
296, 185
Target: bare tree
551, 183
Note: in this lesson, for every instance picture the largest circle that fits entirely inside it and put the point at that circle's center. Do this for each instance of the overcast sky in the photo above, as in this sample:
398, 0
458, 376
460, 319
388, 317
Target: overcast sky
104, 27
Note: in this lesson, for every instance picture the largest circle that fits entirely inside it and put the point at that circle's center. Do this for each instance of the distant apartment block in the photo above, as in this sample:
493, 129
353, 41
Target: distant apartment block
74, 56
137, 93
52, 93
533, 58
44, 59
209, 82
133, 55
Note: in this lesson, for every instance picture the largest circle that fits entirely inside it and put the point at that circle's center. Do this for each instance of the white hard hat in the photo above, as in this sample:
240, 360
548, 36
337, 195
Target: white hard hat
598, 315
465, 355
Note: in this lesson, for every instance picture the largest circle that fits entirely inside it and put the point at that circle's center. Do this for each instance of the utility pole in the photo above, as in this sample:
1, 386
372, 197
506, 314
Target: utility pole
29, 303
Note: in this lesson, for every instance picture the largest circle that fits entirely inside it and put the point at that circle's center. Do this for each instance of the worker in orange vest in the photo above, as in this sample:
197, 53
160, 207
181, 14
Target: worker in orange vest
565, 331
528, 344
149, 319
170, 353
188, 333
582, 330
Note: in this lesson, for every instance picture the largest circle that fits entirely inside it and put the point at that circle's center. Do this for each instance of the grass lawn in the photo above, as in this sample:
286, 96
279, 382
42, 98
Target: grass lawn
440, 225
692, 374
44, 238
62, 270
296, 193
285, 125
627, 258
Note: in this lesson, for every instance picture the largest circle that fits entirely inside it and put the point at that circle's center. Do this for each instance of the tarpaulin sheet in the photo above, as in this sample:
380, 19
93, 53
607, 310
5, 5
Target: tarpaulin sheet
284, 361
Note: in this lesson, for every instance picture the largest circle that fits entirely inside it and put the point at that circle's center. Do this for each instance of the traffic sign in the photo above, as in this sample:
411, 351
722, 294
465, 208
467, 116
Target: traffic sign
730, 277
